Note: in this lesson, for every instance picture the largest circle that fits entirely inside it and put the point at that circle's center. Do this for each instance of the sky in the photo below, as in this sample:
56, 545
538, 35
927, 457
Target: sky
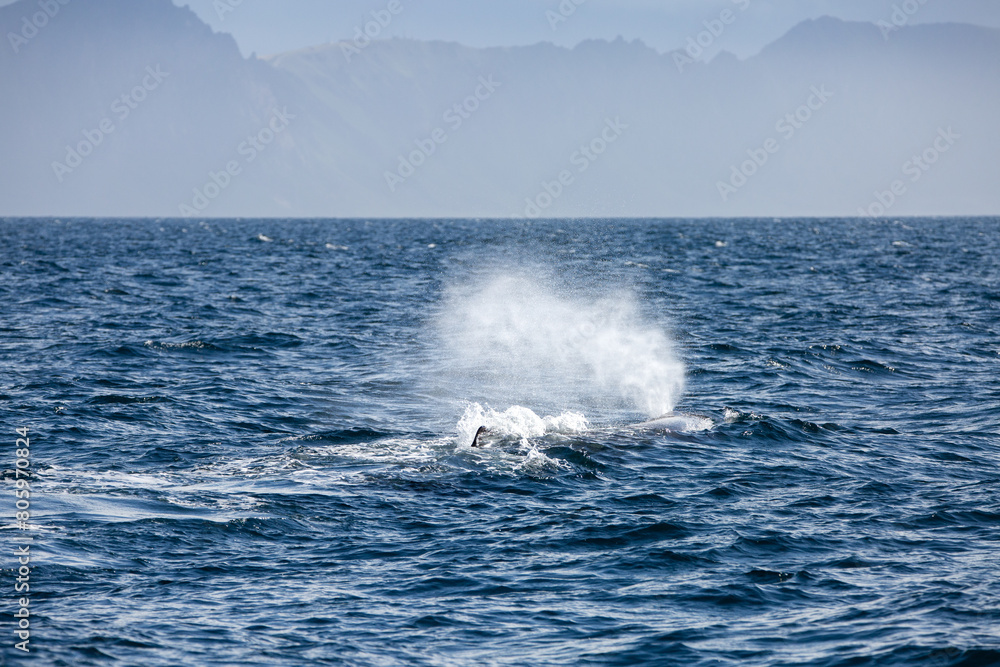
273, 26
268, 27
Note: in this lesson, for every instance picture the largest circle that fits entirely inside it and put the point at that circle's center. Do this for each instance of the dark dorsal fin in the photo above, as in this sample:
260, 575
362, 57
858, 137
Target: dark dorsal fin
481, 431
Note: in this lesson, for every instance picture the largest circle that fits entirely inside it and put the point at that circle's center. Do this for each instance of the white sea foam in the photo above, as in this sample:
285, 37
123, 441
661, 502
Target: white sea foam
519, 430
516, 422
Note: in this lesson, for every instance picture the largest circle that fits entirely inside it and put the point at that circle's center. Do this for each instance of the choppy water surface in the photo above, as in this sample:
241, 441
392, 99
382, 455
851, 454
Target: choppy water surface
251, 441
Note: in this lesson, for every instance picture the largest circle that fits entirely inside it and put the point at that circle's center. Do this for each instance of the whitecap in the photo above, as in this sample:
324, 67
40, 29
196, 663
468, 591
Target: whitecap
516, 422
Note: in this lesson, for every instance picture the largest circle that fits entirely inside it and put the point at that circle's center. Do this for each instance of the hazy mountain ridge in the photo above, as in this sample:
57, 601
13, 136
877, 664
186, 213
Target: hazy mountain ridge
679, 130
72, 76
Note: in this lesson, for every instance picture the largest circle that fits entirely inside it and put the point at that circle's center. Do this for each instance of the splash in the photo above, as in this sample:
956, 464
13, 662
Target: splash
509, 340
517, 422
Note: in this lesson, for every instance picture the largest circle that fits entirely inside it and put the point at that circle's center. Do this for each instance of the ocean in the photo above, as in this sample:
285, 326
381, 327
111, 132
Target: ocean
709, 442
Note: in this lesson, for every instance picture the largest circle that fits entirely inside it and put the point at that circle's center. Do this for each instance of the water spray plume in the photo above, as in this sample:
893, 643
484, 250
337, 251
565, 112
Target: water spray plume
510, 340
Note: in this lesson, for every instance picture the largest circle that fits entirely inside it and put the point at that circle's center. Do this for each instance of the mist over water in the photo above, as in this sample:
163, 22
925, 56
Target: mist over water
513, 339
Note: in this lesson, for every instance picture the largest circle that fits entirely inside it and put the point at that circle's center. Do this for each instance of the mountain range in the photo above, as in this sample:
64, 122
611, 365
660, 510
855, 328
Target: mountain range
137, 108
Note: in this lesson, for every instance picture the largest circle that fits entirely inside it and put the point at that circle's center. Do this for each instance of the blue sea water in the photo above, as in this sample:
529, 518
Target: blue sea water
250, 441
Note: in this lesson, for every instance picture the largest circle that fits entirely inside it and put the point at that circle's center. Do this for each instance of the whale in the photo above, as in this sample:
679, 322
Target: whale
670, 422
677, 423
482, 431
